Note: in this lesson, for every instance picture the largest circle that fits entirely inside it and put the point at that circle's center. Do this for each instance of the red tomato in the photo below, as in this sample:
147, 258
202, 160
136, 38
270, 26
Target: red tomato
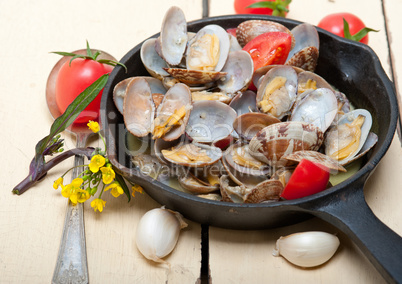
240, 8
334, 24
74, 79
269, 48
308, 178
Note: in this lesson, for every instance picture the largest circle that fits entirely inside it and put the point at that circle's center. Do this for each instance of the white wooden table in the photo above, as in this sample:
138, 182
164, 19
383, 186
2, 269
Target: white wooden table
31, 224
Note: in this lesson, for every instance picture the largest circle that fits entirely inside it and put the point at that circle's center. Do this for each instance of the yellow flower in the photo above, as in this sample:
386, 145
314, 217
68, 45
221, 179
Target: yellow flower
82, 195
107, 175
98, 204
116, 189
72, 190
94, 126
97, 161
136, 188
58, 182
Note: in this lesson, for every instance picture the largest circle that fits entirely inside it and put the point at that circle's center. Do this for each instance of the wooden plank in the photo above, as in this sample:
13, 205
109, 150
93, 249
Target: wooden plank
245, 256
31, 224
393, 23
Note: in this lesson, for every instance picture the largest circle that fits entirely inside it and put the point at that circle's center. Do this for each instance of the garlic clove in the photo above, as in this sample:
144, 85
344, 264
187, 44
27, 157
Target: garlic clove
307, 249
158, 232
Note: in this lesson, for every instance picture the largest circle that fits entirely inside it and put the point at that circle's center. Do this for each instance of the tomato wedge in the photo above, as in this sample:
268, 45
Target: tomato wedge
269, 48
308, 178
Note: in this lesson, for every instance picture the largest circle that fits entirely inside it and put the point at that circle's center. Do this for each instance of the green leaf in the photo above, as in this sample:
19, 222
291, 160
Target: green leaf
357, 36
278, 7
123, 185
72, 111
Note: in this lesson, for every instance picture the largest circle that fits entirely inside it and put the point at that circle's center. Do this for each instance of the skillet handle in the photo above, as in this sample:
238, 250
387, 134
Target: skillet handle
350, 213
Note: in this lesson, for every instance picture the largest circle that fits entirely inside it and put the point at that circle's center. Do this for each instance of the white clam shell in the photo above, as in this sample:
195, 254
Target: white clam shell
151, 59
318, 107
348, 118
139, 108
224, 44
210, 121
239, 68
284, 103
173, 36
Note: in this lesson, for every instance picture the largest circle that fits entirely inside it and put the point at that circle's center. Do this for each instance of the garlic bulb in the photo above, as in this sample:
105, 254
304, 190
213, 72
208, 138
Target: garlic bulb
158, 232
307, 249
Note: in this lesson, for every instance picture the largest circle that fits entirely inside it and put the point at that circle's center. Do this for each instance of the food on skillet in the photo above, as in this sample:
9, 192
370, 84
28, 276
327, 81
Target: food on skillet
208, 122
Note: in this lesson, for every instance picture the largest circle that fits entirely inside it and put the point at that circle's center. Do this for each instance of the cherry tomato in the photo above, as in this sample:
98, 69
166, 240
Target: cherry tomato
280, 7
308, 178
334, 24
74, 79
269, 48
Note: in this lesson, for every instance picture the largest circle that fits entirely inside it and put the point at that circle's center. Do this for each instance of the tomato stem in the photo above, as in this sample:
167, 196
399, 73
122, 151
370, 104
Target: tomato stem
90, 56
357, 36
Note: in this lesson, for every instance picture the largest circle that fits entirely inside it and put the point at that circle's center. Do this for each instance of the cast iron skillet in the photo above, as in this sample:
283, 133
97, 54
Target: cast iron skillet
355, 69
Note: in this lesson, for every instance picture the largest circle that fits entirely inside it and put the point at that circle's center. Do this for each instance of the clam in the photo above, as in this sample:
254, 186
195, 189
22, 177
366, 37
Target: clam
173, 37
305, 52
192, 154
260, 72
242, 167
234, 44
239, 70
208, 50
244, 102
344, 140
151, 59
248, 30
119, 91
277, 91
138, 107
249, 124
210, 121
194, 77
318, 107
210, 96
195, 185
268, 190
308, 80
173, 113
281, 139
316, 157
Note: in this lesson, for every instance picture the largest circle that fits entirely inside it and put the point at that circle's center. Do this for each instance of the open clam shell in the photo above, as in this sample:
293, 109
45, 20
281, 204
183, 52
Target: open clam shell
192, 154
309, 80
268, 190
318, 107
194, 185
176, 97
281, 139
244, 102
239, 70
277, 91
119, 91
151, 59
316, 157
249, 124
199, 55
138, 107
210, 121
305, 52
342, 135
260, 73
173, 36
250, 29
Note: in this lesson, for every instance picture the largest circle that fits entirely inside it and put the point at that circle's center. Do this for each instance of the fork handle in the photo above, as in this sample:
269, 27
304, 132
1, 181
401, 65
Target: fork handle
71, 266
